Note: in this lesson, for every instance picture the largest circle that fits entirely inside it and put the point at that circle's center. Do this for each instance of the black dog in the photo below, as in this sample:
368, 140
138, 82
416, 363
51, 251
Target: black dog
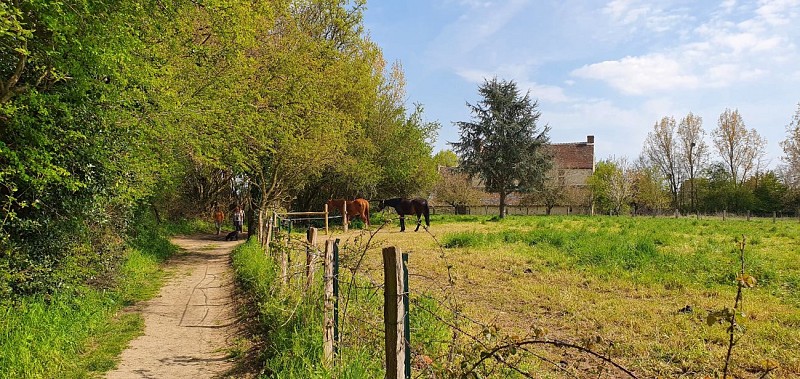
232, 236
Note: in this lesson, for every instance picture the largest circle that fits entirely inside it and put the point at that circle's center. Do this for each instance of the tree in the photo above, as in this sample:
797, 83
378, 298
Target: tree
740, 149
768, 192
718, 192
650, 193
661, 148
456, 189
553, 192
600, 183
446, 158
692, 151
620, 185
503, 145
791, 149
74, 155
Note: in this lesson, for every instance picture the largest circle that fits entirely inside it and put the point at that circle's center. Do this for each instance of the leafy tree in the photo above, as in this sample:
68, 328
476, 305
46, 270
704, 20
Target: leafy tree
718, 192
71, 150
791, 150
741, 149
600, 185
621, 185
661, 148
503, 145
650, 193
612, 185
446, 158
553, 192
692, 151
405, 156
456, 189
768, 192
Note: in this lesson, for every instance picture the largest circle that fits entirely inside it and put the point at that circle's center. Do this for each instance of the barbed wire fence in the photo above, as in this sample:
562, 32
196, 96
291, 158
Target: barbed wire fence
437, 337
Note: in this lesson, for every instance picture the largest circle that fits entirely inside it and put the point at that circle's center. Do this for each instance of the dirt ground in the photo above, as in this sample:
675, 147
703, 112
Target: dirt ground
190, 325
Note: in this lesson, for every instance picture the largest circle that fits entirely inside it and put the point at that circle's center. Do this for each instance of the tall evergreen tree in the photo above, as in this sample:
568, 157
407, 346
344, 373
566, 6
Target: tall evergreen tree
503, 145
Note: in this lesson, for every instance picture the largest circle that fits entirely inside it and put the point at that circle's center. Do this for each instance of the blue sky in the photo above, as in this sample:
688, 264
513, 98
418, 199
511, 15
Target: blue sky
611, 69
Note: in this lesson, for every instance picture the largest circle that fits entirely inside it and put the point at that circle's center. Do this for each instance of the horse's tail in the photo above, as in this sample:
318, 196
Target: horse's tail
427, 213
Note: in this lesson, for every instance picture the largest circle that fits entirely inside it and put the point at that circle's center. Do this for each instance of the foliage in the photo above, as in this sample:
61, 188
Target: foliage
661, 149
693, 151
553, 191
769, 193
70, 169
740, 149
290, 316
650, 193
111, 108
791, 150
456, 189
503, 145
611, 185
446, 158
735, 316
78, 332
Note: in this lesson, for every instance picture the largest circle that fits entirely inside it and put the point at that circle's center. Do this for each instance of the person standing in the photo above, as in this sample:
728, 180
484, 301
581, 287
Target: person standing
238, 218
218, 218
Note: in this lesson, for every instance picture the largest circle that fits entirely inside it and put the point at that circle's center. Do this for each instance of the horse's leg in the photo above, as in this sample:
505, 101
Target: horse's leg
402, 223
419, 221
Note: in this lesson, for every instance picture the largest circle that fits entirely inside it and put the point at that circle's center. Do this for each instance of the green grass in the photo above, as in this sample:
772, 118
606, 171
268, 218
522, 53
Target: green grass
79, 332
650, 251
291, 318
625, 278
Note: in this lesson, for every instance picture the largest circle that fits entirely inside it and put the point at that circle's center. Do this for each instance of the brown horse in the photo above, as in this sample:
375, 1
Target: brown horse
357, 207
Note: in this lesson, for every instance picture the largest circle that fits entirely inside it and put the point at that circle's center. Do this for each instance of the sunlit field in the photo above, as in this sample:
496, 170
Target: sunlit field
639, 288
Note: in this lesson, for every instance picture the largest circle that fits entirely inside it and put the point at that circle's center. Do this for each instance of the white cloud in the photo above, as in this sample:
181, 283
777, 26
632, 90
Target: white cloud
640, 75
718, 53
650, 16
778, 12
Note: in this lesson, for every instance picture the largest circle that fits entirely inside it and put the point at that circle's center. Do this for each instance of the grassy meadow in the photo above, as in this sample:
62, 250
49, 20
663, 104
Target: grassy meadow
620, 285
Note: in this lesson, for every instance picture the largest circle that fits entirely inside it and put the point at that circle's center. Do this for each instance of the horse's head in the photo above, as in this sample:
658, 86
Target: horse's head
381, 205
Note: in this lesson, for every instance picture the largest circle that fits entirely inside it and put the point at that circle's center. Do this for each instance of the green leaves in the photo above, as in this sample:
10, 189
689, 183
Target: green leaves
503, 144
746, 281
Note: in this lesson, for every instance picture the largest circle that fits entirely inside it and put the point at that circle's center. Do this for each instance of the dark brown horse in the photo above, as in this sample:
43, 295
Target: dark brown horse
418, 207
357, 207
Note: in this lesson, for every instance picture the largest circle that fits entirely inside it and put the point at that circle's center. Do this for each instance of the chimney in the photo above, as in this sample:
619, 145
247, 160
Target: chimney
590, 140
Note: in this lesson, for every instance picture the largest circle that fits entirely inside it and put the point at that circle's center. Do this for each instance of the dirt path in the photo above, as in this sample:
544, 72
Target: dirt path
188, 325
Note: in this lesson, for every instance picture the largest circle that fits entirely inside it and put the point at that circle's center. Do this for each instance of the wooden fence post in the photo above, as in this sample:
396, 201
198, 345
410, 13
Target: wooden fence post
748, 215
311, 254
774, 216
394, 313
326, 220
327, 335
285, 255
336, 336
724, 214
